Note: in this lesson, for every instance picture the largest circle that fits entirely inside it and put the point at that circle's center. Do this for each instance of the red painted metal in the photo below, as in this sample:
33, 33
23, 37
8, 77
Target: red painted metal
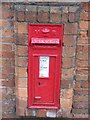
44, 65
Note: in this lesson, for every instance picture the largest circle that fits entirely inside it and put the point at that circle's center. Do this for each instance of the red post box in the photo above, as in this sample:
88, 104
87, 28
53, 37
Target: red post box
44, 65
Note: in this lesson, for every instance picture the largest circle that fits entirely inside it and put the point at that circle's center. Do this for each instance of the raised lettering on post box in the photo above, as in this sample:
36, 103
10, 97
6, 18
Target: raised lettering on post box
44, 65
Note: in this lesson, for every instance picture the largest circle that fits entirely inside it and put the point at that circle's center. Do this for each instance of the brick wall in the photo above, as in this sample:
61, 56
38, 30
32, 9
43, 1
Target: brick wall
74, 80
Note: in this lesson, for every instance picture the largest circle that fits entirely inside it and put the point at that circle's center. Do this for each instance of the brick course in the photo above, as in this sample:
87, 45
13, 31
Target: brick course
74, 78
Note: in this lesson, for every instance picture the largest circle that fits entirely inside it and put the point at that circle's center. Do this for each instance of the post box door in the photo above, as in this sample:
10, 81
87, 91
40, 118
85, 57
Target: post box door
44, 70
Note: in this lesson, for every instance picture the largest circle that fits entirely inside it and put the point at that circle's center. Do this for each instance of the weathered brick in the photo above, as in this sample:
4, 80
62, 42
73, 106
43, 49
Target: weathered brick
82, 56
68, 62
8, 70
73, 9
22, 72
8, 40
20, 111
31, 11
81, 64
65, 17
81, 91
21, 101
21, 92
69, 40
82, 71
22, 51
86, 7
81, 112
83, 40
84, 16
83, 24
66, 103
83, 33
43, 13
55, 14
81, 77
69, 51
65, 9
70, 28
21, 82
66, 93
22, 39
85, 84
73, 17
3, 23
41, 113
66, 84
82, 48
88, 34
7, 63
6, 32
22, 27
22, 61
7, 6
67, 74
7, 14
9, 83
7, 47
80, 98
80, 105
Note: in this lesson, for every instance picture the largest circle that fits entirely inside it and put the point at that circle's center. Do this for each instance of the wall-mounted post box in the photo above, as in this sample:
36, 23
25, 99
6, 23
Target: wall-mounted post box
44, 65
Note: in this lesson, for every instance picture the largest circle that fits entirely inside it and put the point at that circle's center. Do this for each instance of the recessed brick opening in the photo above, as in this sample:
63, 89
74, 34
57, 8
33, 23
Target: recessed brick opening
74, 77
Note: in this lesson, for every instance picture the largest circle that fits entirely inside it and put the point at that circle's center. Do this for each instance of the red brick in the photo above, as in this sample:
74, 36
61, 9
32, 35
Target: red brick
66, 103
20, 111
80, 105
22, 51
69, 51
79, 113
21, 82
31, 13
81, 91
70, 28
22, 27
20, 16
22, 39
67, 62
78, 84
85, 84
43, 14
21, 102
73, 17
9, 83
81, 64
84, 16
41, 113
65, 84
65, 17
73, 9
69, 40
88, 34
55, 14
82, 56
8, 70
80, 98
6, 47
81, 77
66, 93
83, 24
22, 61
67, 74
82, 71
82, 40
83, 33
21, 92
82, 48
7, 6
7, 14
9, 40
86, 7
4, 23
22, 72
7, 32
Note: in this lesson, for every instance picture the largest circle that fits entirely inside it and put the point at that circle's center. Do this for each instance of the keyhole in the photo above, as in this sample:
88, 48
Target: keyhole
38, 83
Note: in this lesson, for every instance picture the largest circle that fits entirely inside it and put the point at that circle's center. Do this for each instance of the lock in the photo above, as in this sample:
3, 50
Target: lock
44, 65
